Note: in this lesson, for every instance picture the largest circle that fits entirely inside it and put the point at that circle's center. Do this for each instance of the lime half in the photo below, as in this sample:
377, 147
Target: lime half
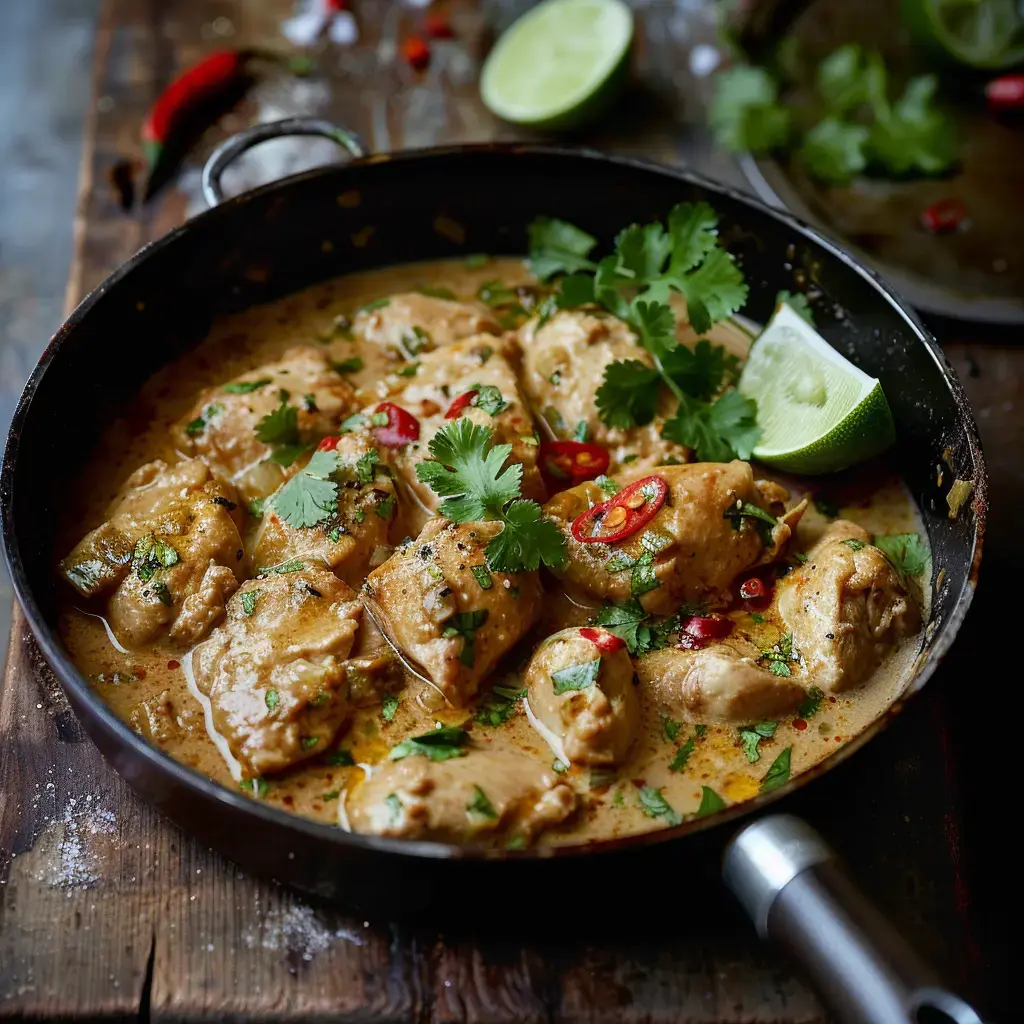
559, 64
818, 413
985, 34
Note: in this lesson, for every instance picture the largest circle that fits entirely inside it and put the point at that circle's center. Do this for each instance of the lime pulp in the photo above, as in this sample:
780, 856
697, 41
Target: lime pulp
984, 34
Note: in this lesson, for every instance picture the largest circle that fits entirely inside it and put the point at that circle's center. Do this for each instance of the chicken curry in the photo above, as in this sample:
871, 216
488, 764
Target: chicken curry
387, 554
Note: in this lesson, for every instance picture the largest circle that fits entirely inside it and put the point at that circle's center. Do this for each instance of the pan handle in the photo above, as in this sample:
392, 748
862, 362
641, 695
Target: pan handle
238, 144
792, 886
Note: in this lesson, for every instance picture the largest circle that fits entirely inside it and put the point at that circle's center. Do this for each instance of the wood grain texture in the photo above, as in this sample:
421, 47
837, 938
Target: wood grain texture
108, 911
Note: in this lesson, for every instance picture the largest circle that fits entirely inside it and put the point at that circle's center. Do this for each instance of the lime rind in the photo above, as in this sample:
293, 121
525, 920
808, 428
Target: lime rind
818, 412
559, 64
934, 26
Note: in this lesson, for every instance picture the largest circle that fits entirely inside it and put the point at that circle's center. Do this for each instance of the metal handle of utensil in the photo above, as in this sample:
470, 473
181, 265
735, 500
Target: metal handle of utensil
791, 884
232, 148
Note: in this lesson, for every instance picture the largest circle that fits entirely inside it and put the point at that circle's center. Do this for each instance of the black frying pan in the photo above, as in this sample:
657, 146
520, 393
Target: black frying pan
427, 205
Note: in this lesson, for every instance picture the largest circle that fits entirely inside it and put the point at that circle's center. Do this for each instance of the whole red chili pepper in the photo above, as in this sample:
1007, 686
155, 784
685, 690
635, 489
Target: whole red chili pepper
621, 516
605, 642
567, 463
1005, 93
944, 216
400, 429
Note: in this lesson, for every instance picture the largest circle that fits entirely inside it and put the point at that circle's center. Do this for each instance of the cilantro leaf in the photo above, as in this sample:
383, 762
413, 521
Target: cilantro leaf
499, 706
468, 472
249, 599
670, 727
481, 805
779, 655
713, 291
702, 370
280, 426
913, 135
245, 387
575, 290
656, 324
488, 397
575, 677
745, 113
849, 78
628, 396
694, 231
440, 744
683, 755
710, 802
833, 151
778, 773
643, 579
906, 551
557, 247
624, 620
718, 432
854, 544
527, 539
799, 303
465, 625
642, 251
310, 497
654, 805
752, 735
810, 706
389, 707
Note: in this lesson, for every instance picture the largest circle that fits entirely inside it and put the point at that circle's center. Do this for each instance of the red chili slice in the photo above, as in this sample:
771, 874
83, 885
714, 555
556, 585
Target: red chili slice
416, 53
567, 463
621, 516
460, 403
328, 444
700, 630
436, 26
605, 642
944, 216
401, 428
1005, 93
753, 589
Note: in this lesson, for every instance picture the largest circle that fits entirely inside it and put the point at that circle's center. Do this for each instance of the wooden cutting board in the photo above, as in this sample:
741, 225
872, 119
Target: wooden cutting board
107, 910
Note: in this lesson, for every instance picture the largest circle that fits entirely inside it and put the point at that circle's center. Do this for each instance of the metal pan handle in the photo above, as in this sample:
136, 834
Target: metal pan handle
231, 148
792, 886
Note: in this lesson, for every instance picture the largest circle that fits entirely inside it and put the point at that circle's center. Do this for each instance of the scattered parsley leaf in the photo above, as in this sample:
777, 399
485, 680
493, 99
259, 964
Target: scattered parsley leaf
310, 497
258, 787
249, 599
575, 677
710, 802
643, 579
438, 745
759, 619
670, 728
607, 484
340, 759
385, 507
351, 365
195, 427
827, 507
833, 151
280, 426
854, 544
481, 805
745, 114
779, 655
557, 247
624, 621
246, 387
752, 735
353, 423
628, 395
150, 555
465, 624
488, 397
809, 708
778, 774
286, 454
389, 707
800, 305
409, 370
435, 291
765, 522
309, 742
702, 370
913, 135
718, 432
482, 576
499, 706
366, 466
527, 539
295, 565
332, 795
163, 595
683, 755
906, 551
654, 805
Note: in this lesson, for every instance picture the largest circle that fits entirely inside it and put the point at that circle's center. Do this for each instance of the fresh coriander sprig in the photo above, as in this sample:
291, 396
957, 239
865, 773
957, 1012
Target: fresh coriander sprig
471, 474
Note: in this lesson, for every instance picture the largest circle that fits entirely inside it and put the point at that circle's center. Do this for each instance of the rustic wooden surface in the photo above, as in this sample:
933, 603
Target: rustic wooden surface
107, 911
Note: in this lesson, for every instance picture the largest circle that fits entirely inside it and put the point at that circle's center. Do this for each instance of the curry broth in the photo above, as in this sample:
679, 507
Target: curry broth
609, 804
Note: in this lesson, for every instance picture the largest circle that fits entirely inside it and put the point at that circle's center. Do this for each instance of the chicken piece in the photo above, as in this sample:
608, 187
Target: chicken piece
720, 684
346, 541
698, 539
296, 401
444, 617
449, 373
411, 323
563, 364
582, 702
167, 556
846, 608
475, 797
155, 718
276, 672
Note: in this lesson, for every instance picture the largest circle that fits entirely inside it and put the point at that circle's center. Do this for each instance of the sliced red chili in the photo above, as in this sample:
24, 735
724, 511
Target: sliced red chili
700, 630
328, 444
756, 591
436, 26
567, 463
944, 216
621, 516
1005, 93
416, 53
401, 428
460, 403
605, 642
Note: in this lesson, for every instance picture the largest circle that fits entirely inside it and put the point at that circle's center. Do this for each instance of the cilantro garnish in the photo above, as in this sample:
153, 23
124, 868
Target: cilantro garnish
389, 707
654, 805
280, 426
810, 706
799, 303
764, 521
195, 427
352, 423
295, 565
311, 496
482, 576
778, 774
906, 551
385, 507
309, 742
833, 150
441, 744
751, 735
557, 247
369, 307
575, 677
151, 555
471, 475
465, 624
245, 387
827, 507
779, 656
394, 806
340, 759
286, 454
481, 805
683, 755
745, 113
488, 398
632, 624
854, 544
352, 365
710, 802
670, 727
163, 594
435, 291
499, 706
608, 485
258, 787
249, 599
643, 579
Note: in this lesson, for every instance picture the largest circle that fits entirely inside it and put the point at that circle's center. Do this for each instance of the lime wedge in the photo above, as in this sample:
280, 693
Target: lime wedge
818, 413
985, 34
559, 64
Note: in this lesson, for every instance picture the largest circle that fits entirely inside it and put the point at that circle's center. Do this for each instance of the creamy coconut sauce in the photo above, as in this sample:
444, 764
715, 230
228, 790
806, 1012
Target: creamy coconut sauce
609, 803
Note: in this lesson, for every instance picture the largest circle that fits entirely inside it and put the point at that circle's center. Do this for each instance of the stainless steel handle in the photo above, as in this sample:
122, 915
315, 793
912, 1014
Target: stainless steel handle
794, 889
238, 144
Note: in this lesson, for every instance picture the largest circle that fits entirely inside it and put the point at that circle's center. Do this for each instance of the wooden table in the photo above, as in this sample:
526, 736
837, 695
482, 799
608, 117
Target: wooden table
108, 911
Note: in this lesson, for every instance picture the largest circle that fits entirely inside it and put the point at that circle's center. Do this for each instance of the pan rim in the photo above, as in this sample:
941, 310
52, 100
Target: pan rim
156, 759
